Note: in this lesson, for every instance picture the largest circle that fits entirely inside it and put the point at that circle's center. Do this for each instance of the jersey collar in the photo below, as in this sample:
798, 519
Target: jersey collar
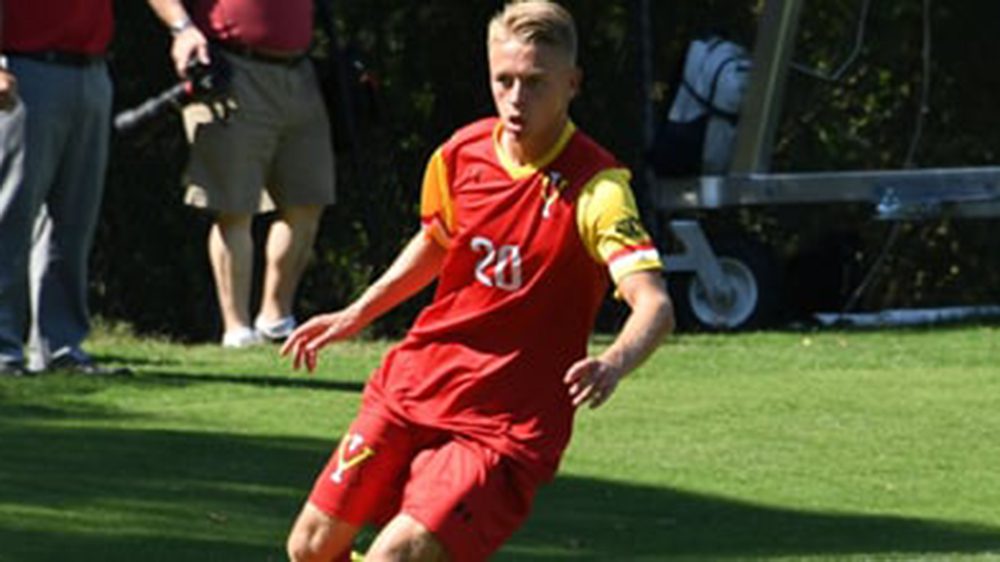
518, 171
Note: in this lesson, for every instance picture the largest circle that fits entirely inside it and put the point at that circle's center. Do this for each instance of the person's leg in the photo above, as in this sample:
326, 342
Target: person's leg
461, 502
361, 482
17, 211
289, 246
65, 232
405, 539
225, 175
230, 251
318, 537
301, 181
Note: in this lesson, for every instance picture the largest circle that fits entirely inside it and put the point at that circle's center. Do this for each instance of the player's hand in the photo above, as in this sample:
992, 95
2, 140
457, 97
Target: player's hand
8, 90
189, 44
592, 380
308, 339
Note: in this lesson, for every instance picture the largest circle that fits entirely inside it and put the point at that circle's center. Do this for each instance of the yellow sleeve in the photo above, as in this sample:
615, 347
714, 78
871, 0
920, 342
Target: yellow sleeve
437, 215
608, 220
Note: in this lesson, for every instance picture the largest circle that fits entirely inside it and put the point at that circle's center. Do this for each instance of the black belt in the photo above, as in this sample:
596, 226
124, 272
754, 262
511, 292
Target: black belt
60, 57
260, 56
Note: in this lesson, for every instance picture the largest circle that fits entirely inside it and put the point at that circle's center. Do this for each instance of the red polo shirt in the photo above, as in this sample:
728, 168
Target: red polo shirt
277, 25
72, 26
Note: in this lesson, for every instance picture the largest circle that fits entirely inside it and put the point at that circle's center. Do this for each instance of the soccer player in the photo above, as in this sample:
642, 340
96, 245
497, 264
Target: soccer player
524, 217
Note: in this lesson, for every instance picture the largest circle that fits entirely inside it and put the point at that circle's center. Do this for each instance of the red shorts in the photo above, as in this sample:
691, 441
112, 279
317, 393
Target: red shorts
470, 497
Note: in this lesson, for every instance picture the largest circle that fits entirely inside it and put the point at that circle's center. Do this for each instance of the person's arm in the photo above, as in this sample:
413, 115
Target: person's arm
413, 269
188, 40
8, 88
594, 379
8, 83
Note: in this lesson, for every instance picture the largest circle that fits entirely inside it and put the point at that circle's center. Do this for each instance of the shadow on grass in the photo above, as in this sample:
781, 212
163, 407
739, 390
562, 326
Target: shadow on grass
120, 494
587, 519
111, 494
277, 381
56, 395
86, 383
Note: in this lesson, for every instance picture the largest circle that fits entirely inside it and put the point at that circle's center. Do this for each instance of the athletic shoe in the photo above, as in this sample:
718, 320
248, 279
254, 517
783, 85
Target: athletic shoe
240, 338
14, 370
76, 361
277, 330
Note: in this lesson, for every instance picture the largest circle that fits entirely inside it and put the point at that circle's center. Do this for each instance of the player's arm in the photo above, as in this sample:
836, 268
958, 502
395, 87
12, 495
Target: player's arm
594, 379
413, 269
612, 232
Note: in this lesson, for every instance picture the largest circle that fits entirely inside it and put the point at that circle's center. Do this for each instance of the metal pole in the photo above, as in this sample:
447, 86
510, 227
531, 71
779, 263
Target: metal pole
646, 71
762, 107
647, 180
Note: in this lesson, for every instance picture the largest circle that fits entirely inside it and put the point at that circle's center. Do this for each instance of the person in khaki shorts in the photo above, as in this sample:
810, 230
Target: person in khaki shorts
273, 153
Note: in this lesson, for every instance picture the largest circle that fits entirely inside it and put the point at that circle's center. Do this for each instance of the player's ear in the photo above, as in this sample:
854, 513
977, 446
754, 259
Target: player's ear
575, 80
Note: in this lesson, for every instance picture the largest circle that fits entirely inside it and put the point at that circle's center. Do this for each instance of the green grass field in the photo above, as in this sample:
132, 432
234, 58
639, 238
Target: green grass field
877, 445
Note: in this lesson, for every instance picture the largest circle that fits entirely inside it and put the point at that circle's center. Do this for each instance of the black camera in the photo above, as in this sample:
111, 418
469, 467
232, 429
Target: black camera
203, 83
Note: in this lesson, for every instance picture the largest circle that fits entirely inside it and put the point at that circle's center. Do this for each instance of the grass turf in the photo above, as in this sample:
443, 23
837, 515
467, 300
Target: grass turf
775, 446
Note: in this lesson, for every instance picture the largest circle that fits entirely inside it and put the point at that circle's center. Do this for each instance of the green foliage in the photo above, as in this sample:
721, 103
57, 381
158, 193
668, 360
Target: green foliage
873, 119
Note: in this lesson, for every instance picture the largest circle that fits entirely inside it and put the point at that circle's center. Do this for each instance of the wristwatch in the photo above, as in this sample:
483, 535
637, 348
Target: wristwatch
180, 25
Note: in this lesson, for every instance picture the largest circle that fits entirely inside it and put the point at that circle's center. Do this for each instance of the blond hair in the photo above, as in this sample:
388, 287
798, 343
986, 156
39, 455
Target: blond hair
535, 22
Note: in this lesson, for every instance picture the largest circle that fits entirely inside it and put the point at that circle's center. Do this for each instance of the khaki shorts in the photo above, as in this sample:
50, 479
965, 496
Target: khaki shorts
273, 151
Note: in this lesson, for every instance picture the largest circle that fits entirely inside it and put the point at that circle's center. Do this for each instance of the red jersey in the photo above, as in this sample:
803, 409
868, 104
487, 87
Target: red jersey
278, 25
516, 299
71, 26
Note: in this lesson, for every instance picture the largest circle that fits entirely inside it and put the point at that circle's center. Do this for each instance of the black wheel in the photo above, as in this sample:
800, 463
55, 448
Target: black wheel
750, 301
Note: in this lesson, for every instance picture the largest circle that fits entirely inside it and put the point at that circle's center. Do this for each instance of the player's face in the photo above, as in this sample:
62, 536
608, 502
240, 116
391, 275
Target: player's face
532, 88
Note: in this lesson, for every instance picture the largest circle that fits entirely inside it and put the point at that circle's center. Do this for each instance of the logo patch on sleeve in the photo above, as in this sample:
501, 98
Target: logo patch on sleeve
631, 228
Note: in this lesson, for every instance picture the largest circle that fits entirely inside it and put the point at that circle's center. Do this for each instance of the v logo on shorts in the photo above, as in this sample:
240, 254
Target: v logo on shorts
352, 452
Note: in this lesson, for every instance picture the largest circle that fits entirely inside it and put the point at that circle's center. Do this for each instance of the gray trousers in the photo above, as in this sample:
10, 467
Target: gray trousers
53, 156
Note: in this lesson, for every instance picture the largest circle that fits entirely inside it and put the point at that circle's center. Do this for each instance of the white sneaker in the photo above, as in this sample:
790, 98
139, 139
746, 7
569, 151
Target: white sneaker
240, 338
277, 330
